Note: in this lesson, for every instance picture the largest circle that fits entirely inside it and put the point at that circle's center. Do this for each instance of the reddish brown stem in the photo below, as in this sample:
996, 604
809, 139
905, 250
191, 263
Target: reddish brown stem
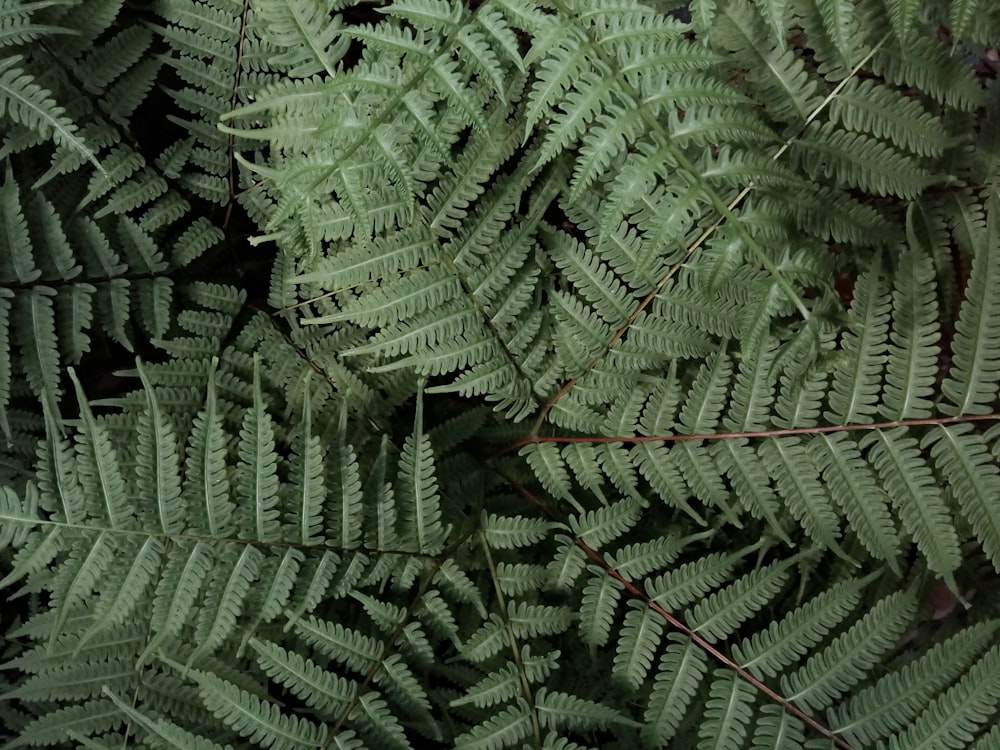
759, 434
674, 622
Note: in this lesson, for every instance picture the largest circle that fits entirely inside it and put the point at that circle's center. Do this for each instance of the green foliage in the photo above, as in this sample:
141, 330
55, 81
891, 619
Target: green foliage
583, 373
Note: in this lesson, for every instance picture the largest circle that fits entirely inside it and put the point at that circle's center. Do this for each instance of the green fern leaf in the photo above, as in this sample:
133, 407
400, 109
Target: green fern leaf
719, 615
124, 589
690, 581
961, 14
282, 576
418, 489
963, 457
511, 532
972, 384
913, 351
6, 371
908, 481
322, 690
31, 105
160, 732
856, 160
158, 464
34, 314
91, 561
777, 730
505, 729
791, 94
796, 477
773, 12
557, 709
857, 380
257, 479
546, 461
377, 720
505, 684
898, 697
952, 717
839, 23
903, 14
830, 672
514, 579
185, 571
307, 34
532, 620
228, 591
866, 107
487, 641
637, 560
852, 485
258, 720
771, 651
86, 719
597, 608
706, 399
929, 65
749, 477
99, 465
728, 712
637, 643
206, 476
598, 527
680, 672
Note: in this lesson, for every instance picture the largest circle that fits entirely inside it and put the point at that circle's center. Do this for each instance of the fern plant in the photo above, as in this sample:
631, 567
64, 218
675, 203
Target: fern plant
620, 374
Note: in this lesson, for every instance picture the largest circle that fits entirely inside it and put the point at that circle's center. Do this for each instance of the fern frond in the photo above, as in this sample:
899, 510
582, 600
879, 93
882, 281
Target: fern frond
853, 486
727, 711
971, 386
963, 457
952, 716
310, 39
770, 651
903, 15
597, 608
258, 720
504, 729
907, 479
640, 637
892, 702
161, 732
913, 351
226, 596
928, 64
257, 470
828, 673
176, 591
680, 671
785, 85
857, 381
719, 614
887, 114
511, 532
856, 160
418, 490
27, 103
560, 710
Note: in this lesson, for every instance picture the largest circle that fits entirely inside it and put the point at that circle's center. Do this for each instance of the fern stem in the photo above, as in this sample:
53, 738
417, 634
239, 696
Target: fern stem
725, 211
714, 652
682, 627
930, 421
512, 638
390, 640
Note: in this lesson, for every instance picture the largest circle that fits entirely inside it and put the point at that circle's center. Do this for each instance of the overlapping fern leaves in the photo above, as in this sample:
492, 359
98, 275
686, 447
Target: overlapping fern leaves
560, 433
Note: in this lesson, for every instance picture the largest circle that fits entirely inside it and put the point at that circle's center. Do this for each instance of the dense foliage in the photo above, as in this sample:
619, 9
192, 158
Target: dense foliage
558, 374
